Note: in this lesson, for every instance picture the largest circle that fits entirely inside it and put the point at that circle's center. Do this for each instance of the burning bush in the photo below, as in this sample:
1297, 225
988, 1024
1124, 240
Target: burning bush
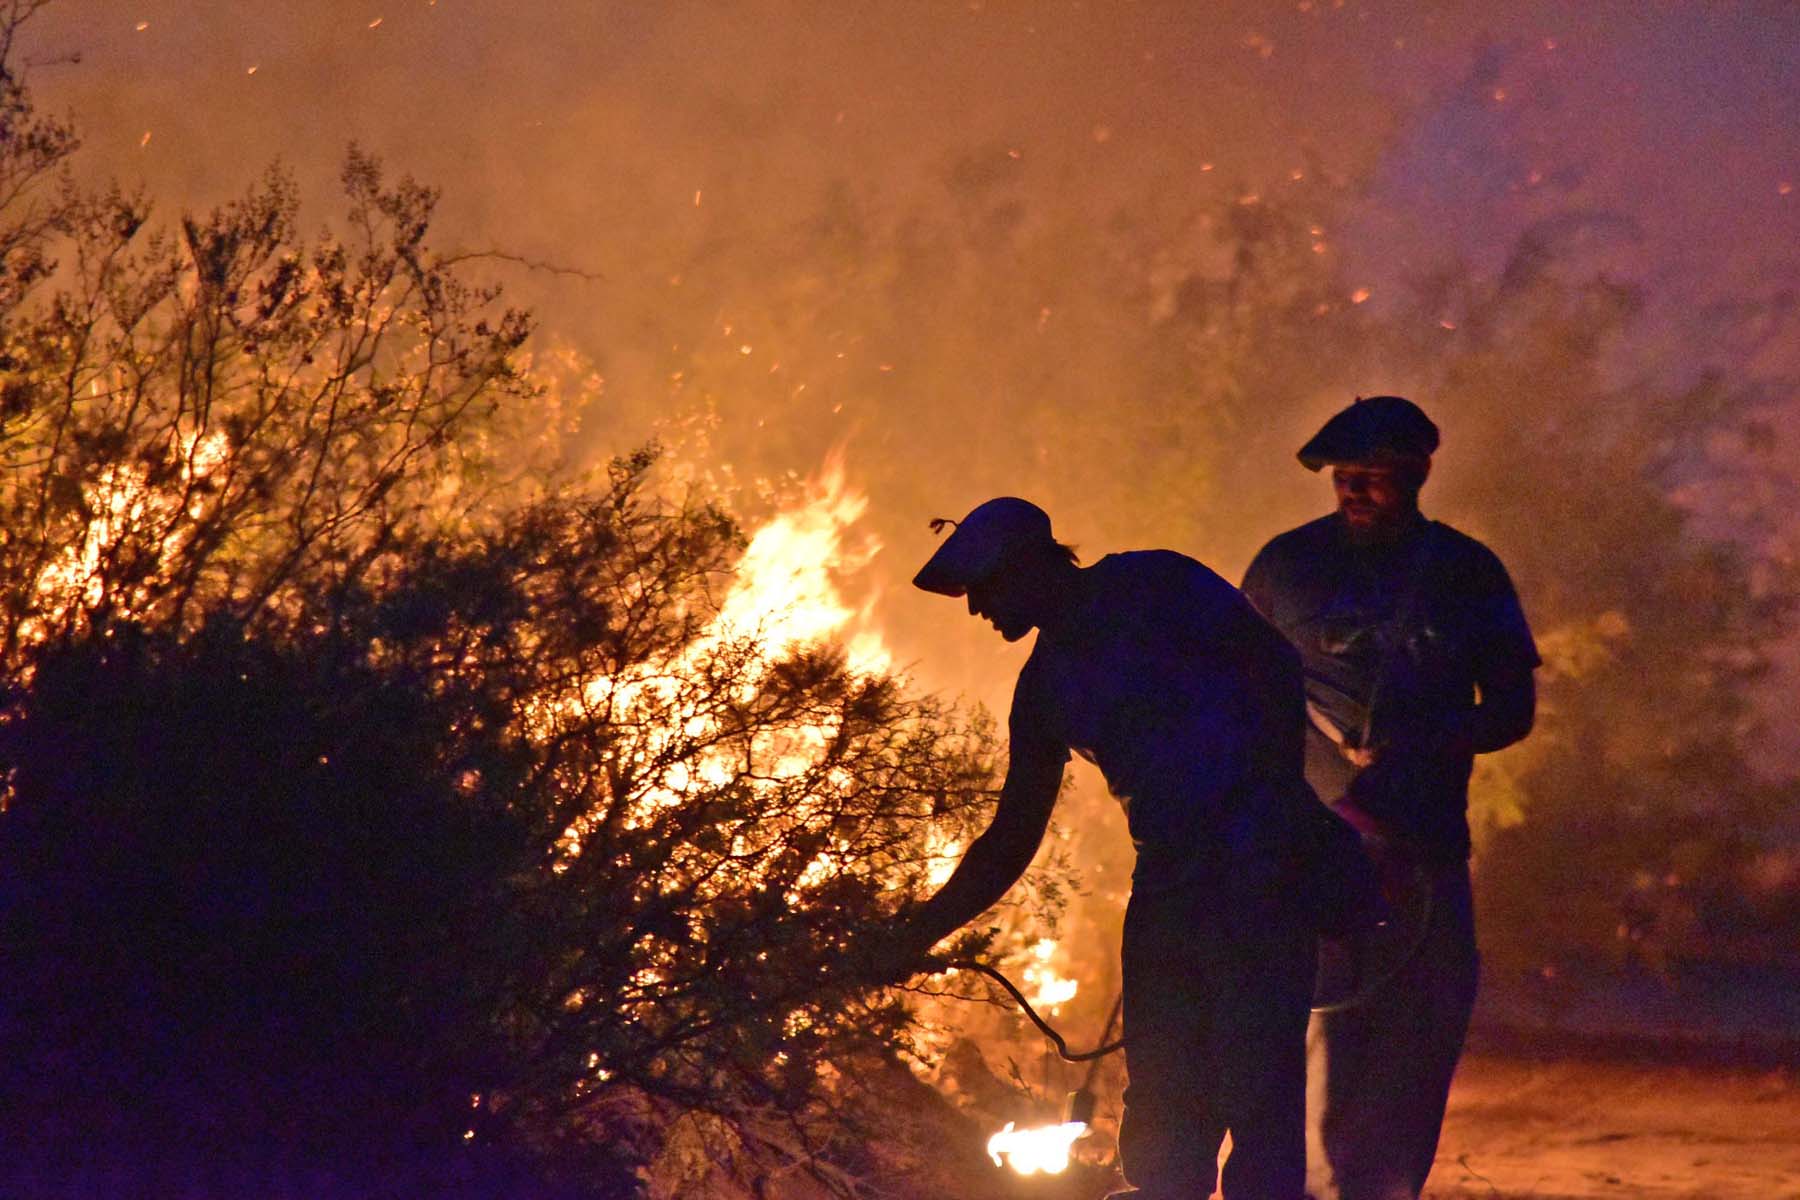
370, 812
496, 850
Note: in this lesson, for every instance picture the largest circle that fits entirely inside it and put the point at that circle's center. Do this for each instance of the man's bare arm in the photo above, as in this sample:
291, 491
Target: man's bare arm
997, 858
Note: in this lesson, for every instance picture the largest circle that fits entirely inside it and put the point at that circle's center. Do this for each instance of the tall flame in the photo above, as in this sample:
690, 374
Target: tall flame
784, 594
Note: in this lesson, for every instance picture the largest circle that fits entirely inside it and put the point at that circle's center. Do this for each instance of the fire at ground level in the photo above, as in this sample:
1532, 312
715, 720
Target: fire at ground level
1678, 1089
1525, 1126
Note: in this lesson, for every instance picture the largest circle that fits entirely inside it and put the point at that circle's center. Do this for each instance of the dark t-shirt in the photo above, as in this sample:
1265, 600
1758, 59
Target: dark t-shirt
1396, 639
1189, 703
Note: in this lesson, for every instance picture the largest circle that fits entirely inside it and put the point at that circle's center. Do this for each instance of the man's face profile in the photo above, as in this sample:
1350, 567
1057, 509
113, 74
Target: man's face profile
1373, 496
1001, 600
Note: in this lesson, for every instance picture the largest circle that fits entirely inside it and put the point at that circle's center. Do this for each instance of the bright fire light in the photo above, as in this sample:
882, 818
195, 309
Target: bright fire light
785, 593
1030, 1151
1049, 989
785, 590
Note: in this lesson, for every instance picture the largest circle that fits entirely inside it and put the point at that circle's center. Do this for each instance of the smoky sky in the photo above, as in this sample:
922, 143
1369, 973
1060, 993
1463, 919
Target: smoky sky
582, 133
641, 144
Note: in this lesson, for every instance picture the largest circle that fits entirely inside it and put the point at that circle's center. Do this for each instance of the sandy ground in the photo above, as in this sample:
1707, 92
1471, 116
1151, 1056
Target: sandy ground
1562, 1130
1656, 1124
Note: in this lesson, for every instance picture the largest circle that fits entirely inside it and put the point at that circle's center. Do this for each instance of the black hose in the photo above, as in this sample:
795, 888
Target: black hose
1056, 1039
1422, 887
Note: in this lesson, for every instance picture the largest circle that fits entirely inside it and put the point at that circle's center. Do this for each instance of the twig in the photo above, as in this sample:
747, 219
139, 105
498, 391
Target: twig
533, 264
1463, 1162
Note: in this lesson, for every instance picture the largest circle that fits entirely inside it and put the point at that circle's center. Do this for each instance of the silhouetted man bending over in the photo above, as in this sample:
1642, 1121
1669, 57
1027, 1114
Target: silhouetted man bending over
1160, 672
1417, 659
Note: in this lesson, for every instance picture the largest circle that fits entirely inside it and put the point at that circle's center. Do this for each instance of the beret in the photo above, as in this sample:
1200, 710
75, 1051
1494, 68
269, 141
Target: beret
1372, 430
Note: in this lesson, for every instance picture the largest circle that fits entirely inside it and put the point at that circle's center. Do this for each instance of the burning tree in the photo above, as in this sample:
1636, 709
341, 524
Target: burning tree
379, 798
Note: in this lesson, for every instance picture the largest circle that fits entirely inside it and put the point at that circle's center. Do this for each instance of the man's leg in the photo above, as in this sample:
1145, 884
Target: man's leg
1379, 1074
1448, 1000
1261, 1052
1346, 1124
1170, 1135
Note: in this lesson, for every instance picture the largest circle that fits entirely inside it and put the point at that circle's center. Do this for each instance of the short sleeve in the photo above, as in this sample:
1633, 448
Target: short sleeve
1500, 637
1258, 586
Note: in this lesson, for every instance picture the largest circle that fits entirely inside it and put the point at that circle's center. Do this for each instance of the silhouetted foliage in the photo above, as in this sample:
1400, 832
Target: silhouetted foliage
380, 811
318, 899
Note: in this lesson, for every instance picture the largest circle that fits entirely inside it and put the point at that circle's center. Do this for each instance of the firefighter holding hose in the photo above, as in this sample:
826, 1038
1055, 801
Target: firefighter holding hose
1417, 658
1162, 674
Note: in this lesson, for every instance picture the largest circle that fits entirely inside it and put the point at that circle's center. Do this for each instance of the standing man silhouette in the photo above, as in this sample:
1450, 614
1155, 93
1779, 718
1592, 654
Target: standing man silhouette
1417, 658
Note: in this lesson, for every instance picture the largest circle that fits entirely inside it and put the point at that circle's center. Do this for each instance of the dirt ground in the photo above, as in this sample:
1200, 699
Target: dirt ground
1521, 1129
1654, 1122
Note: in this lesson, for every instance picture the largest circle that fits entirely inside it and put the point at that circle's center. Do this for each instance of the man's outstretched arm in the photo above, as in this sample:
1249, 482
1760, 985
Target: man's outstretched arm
997, 858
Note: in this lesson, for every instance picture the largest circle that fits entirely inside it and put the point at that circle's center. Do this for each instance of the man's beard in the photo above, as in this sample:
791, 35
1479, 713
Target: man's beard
1384, 530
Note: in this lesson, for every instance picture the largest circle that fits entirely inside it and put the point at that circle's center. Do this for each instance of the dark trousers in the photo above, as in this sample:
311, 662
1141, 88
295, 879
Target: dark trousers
1217, 992
1378, 1075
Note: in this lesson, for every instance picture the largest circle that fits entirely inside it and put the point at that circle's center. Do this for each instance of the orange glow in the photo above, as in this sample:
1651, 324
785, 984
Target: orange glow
122, 501
784, 596
1049, 989
1044, 1149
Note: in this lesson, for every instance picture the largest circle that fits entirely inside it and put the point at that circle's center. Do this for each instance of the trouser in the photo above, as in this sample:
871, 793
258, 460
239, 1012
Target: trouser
1216, 998
1378, 1074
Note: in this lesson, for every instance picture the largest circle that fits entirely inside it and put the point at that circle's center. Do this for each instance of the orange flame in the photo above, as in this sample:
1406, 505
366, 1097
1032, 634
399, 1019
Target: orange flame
1042, 1149
1050, 989
784, 595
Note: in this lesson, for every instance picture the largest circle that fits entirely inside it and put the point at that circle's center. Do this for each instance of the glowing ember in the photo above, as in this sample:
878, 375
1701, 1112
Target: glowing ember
1030, 1151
